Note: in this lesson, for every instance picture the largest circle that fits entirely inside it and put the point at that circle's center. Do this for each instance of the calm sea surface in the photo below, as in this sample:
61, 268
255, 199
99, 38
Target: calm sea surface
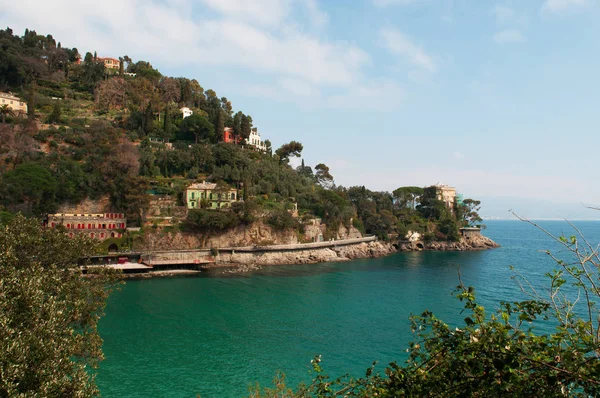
214, 336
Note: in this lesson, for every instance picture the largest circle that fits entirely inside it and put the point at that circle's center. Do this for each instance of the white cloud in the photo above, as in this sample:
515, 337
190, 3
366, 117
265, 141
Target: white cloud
317, 17
243, 34
385, 3
298, 87
508, 36
384, 95
268, 12
504, 14
399, 44
557, 6
377, 95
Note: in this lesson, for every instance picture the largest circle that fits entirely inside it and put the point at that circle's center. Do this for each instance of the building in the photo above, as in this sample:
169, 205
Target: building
13, 102
207, 195
186, 111
446, 194
110, 63
255, 141
229, 136
95, 226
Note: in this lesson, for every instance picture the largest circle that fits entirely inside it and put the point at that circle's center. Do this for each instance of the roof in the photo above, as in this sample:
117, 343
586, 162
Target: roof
9, 95
202, 185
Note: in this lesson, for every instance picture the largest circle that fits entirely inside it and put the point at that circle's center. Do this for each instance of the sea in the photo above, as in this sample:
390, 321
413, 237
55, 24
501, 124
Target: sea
219, 335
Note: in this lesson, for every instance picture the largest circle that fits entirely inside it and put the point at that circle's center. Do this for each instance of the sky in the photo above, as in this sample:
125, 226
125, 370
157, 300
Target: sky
497, 98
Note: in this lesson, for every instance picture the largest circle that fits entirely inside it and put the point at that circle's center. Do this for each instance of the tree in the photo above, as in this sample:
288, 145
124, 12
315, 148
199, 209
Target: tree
305, 171
324, 178
48, 313
246, 126
237, 124
56, 115
31, 184
111, 93
169, 90
407, 197
220, 125
292, 148
6, 111
198, 127
469, 212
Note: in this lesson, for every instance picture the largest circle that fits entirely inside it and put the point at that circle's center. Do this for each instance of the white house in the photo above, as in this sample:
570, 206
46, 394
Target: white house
186, 112
255, 141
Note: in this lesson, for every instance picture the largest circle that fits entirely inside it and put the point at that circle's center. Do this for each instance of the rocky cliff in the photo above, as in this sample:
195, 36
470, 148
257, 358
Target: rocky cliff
256, 233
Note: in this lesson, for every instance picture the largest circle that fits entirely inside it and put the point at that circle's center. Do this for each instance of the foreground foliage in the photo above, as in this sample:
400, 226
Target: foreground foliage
494, 355
48, 313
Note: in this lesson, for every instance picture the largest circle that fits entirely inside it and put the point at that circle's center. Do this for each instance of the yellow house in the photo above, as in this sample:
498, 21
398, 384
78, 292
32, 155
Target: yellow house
446, 194
207, 195
13, 102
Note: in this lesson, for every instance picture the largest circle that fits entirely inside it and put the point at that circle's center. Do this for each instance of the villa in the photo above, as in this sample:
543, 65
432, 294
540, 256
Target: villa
95, 226
255, 141
207, 195
14, 103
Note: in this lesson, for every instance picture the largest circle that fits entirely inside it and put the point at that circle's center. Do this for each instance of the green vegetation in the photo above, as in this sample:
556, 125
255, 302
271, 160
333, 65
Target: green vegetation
48, 313
94, 132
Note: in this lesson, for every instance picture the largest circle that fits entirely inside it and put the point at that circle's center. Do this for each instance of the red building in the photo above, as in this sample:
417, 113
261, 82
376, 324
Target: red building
230, 138
110, 63
96, 226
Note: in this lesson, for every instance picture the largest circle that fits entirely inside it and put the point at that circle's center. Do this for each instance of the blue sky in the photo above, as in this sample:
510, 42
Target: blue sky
498, 98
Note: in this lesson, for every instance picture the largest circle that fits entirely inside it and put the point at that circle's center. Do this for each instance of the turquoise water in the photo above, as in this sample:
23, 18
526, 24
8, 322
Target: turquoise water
214, 336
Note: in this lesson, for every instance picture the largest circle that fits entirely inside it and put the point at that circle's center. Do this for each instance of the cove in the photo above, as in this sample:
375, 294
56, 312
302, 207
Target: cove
216, 335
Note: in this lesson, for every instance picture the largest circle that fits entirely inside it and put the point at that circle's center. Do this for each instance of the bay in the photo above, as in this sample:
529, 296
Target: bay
217, 335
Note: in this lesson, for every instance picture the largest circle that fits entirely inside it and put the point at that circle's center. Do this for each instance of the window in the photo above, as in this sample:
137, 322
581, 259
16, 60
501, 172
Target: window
52, 225
233, 196
203, 195
193, 193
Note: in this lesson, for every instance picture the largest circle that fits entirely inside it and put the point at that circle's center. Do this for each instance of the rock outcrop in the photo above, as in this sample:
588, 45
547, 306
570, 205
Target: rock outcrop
474, 243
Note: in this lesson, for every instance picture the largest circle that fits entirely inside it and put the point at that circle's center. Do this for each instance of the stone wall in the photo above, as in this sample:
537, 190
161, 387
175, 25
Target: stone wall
258, 233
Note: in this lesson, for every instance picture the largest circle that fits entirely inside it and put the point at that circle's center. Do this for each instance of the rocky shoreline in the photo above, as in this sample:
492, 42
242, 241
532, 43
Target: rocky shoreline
248, 262
306, 256
477, 243
239, 262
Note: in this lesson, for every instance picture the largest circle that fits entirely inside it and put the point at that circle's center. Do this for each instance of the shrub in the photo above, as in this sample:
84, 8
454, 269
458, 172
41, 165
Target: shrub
210, 220
281, 220
428, 237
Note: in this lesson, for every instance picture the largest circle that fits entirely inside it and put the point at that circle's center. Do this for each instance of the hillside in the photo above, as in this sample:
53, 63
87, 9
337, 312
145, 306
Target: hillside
109, 135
